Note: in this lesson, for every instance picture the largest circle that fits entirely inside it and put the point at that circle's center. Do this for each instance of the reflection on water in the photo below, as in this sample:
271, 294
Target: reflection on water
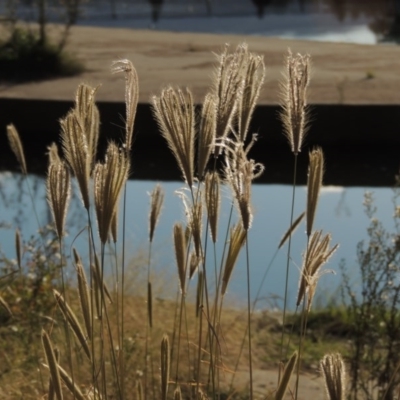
324, 20
340, 212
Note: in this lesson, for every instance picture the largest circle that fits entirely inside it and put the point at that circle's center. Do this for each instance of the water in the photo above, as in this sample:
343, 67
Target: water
340, 212
317, 22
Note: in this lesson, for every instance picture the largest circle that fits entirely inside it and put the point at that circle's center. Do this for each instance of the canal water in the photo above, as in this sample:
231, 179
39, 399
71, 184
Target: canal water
340, 212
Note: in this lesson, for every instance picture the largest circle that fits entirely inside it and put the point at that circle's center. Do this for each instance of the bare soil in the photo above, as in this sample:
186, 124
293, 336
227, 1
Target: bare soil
342, 73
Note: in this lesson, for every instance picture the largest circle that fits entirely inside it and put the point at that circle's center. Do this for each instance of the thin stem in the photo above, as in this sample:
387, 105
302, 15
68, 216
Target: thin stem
249, 314
288, 261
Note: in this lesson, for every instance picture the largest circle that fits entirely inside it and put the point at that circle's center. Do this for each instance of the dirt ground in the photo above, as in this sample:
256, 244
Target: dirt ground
342, 73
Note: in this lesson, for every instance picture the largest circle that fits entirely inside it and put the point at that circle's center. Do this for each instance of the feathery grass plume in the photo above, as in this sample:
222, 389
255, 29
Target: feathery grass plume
194, 263
156, 202
253, 73
294, 99
334, 372
180, 253
174, 112
206, 138
314, 184
239, 173
76, 152
178, 393
52, 152
58, 186
228, 88
316, 255
84, 296
131, 95
291, 229
73, 322
109, 179
18, 248
88, 113
52, 364
199, 291
287, 374
70, 384
16, 146
236, 242
213, 202
165, 366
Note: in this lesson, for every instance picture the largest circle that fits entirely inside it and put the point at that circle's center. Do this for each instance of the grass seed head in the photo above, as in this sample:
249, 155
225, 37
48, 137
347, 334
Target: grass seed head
207, 132
77, 153
156, 202
174, 111
16, 146
294, 99
314, 184
236, 242
109, 179
334, 371
131, 96
58, 193
213, 202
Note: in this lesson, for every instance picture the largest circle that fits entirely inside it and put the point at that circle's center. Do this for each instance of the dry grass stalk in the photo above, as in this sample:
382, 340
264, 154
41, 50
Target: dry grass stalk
253, 77
131, 95
174, 112
178, 393
58, 193
316, 255
314, 184
73, 322
52, 364
139, 390
77, 152
199, 292
18, 249
180, 254
150, 304
70, 384
165, 366
98, 275
84, 296
194, 263
109, 179
114, 225
334, 372
156, 202
291, 229
228, 88
213, 202
16, 146
294, 99
207, 132
239, 173
196, 219
287, 374
236, 242
6, 306
51, 392
52, 152
88, 113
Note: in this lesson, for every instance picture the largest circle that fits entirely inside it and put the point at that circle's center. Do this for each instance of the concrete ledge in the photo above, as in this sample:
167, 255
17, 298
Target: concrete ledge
361, 142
